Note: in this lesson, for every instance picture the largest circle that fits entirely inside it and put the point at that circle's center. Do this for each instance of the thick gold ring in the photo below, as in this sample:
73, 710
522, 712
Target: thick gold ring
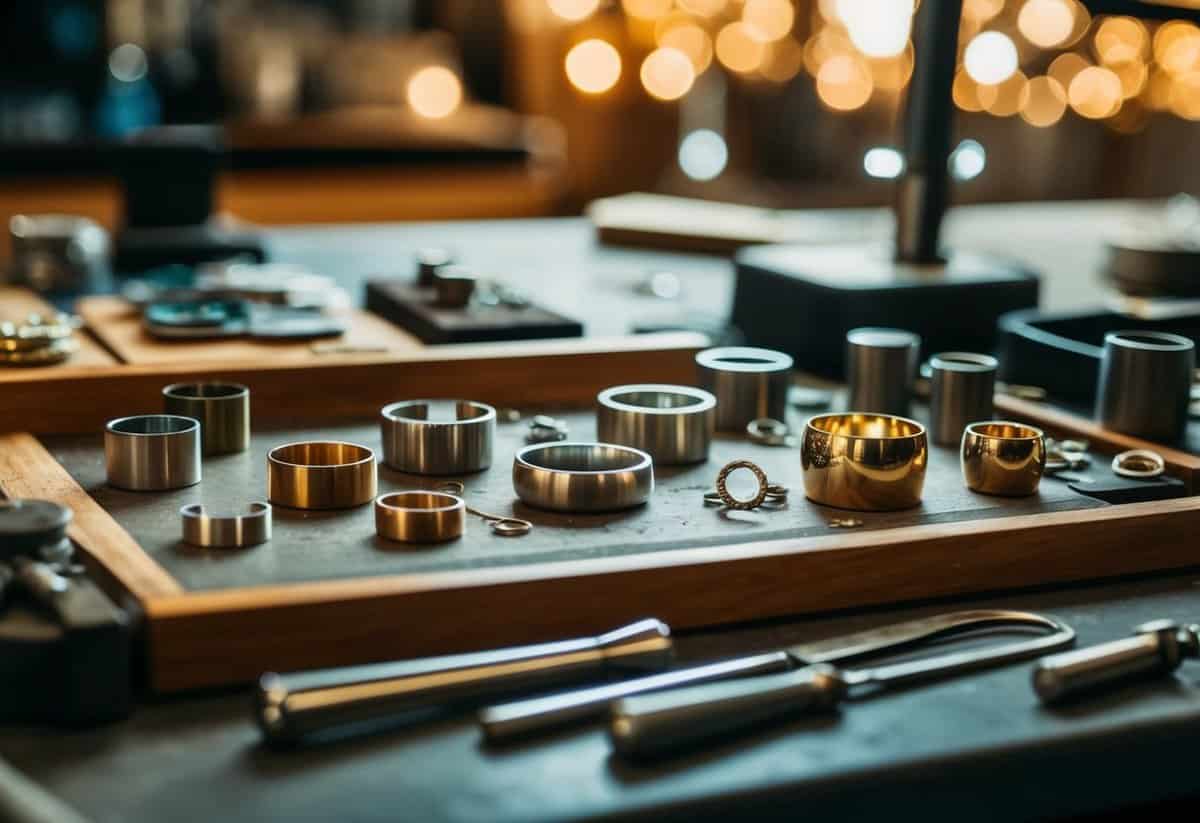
723, 488
320, 474
420, 516
1003, 458
866, 462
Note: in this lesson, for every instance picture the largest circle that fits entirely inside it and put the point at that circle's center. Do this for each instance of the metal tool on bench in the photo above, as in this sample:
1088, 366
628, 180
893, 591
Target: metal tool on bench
1155, 650
650, 725
290, 707
538, 714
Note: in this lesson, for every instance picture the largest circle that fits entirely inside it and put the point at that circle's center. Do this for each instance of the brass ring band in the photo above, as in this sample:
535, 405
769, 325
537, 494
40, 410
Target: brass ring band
723, 486
320, 474
1141, 463
1003, 458
420, 516
223, 410
865, 462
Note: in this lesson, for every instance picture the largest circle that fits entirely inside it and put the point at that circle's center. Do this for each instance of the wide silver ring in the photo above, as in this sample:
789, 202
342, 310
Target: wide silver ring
152, 452
226, 531
1141, 463
413, 443
583, 477
748, 383
673, 424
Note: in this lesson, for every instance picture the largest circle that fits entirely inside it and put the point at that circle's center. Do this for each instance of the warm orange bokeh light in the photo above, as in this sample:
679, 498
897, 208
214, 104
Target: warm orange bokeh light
593, 66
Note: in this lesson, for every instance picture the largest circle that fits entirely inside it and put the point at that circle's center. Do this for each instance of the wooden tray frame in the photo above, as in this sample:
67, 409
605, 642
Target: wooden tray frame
212, 638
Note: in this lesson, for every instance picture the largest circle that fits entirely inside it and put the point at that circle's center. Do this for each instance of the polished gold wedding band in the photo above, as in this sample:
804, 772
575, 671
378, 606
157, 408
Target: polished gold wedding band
867, 462
320, 474
1003, 458
420, 516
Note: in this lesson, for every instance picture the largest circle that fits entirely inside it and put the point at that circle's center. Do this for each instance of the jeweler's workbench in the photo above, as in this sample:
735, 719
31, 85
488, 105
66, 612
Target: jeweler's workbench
967, 734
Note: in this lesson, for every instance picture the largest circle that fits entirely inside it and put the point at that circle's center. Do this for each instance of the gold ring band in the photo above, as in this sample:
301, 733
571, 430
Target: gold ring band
420, 516
320, 474
865, 462
1003, 458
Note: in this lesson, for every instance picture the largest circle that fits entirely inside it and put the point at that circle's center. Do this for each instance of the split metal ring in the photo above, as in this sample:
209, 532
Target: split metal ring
233, 531
723, 487
768, 431
1141, 463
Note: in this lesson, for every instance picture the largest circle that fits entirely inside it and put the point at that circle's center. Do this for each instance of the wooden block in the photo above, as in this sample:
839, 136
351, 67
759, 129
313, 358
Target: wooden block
17, 303
413, 309
119, 325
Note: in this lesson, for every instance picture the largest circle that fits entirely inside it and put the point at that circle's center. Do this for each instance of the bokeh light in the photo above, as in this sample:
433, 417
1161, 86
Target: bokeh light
844, 83
434, 92
1046, 23
573, 10
703, 155
593, 66
1121, 40
1043, 102
883, 162
692, 41
1095, 93
667, 74
738, 49
1004, 99
877, 29
703, 8
1064, 68
784, 61
990, 58
966, 92
981, 11
1177, 47
968, 160
1184, 99
892, 73
646, 9
768, 20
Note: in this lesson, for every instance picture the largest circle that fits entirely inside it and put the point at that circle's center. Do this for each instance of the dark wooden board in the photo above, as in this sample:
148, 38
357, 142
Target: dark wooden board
321, 546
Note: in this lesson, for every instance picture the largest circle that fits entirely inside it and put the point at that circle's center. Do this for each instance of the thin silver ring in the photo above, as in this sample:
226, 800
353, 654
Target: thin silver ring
1157, 464
226, 531
673, 424
413, 443
583, 477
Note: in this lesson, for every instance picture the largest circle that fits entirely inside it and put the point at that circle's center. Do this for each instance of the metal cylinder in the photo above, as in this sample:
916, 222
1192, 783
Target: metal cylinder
582, 477
880, 367
1145, 384
673, 424
226, 531
748, 383
429, 260
223, 410
420, 516
321, 474
152, 452
457, 444
962, 389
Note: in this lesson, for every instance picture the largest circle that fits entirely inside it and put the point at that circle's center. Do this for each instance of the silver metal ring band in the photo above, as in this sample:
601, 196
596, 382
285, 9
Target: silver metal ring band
748, 383
583, 477
413, 443
673, 424
152, 452
226, 531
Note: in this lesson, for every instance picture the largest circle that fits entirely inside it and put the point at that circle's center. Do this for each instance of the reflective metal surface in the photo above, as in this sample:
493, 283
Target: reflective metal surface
420, 516
673, 424
320, 474
207, 530
1145, 384
290, 706
1003, 458
456, 441
152, 452
223, 410
881, 365
583, 477
748, 383
962, 388
868, 462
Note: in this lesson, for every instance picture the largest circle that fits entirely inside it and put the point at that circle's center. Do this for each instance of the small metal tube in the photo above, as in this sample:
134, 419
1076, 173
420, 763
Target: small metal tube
880, 366
212, 531
748, 383
962, 388
458, 443
152, 452
582, 477
1145, 384
673, 424
223, 410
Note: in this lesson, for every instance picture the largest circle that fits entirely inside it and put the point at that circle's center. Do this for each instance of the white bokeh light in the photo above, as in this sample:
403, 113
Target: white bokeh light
877, 29
990, 58
968, 160
703, 154
883, 162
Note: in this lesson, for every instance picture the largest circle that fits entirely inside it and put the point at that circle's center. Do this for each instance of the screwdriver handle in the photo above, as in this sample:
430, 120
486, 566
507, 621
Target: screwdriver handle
652, 725
1156, 649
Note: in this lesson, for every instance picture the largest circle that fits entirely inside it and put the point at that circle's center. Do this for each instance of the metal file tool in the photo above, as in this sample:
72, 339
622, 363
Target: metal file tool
537, 714
652, 725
